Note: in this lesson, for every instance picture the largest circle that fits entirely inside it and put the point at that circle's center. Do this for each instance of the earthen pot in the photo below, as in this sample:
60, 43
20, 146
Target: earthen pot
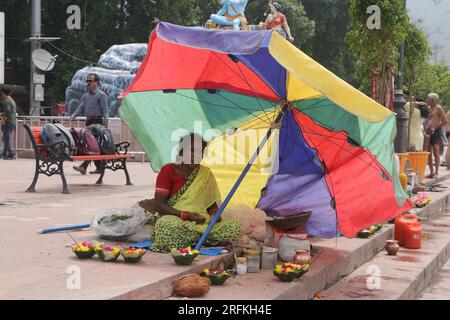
392, 247
302, 257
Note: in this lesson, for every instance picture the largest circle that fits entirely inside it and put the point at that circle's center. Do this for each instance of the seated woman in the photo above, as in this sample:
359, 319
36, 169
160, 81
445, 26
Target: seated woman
186, 196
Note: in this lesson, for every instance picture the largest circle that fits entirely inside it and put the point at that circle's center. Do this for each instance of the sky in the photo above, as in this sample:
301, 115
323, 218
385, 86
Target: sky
434, 17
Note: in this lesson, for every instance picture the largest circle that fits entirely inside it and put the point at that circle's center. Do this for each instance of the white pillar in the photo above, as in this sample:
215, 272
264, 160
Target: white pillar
35, 106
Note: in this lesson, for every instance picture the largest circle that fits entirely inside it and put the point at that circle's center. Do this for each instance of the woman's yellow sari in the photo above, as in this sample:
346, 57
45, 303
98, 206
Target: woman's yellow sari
198, 194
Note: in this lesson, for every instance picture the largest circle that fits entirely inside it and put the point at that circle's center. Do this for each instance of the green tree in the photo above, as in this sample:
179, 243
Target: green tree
328, 45
434, 78
377, 48
417, 51
17, 52
105, 23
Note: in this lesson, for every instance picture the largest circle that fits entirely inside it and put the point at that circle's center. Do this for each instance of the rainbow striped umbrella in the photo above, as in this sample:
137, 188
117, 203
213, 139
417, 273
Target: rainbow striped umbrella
331, 146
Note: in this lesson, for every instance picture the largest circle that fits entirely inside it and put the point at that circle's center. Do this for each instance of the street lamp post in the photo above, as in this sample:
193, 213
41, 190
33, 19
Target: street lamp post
399, 104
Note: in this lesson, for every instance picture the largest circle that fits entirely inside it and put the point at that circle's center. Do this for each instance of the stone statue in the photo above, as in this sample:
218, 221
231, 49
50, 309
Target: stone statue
231, 14
277, 21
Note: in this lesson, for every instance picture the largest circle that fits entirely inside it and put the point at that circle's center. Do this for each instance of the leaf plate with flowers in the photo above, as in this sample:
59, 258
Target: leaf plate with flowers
185, 256
217, 277
132, 255
83, 250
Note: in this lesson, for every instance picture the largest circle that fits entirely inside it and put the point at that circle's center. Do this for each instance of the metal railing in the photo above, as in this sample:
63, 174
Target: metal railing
119, 129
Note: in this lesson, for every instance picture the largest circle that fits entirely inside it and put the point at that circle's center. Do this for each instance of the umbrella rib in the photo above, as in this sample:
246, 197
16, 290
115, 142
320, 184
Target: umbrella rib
242, 77
342, 148
232, 102
218, 105
253, 91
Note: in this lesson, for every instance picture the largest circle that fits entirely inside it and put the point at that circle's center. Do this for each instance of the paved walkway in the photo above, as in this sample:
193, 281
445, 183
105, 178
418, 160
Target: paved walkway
36, 266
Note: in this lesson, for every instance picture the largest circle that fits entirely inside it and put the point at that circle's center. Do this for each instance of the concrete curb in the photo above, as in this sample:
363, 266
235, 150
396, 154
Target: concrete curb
343, 265
164, 288
331, 264
404, 277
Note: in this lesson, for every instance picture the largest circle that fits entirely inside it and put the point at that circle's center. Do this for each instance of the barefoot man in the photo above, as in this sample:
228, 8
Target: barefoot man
434, 132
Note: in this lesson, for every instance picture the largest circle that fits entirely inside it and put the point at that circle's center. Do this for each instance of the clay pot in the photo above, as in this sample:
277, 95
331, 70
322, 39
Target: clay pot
302, 257
392, 247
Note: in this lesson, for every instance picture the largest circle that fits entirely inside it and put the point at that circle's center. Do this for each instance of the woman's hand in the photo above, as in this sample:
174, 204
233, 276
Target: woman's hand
197, 218
218, 220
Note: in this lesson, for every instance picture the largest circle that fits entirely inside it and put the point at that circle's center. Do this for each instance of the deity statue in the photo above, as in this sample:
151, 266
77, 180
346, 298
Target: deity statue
277, 21
231, 14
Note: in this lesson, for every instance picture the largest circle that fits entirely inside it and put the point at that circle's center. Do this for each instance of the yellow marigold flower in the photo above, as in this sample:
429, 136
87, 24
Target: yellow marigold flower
195, 252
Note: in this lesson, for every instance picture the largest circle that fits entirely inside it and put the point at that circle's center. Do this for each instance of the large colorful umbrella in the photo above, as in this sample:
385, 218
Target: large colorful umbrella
332, 144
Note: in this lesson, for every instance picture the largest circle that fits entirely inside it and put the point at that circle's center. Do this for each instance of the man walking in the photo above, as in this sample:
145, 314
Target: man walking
434, 136
8, 123
93, 105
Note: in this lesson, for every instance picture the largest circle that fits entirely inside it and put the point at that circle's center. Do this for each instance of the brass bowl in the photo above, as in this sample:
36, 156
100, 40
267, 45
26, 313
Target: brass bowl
293, 222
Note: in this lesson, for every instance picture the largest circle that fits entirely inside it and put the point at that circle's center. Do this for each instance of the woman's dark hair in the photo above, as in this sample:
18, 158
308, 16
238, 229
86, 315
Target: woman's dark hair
277, 6
5, 91
424, 112
192, 138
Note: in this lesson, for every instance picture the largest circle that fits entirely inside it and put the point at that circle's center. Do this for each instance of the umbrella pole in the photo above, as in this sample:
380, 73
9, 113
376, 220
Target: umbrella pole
239, 180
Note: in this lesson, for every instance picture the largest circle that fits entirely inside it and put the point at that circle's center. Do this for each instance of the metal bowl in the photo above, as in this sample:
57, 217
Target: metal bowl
293, 222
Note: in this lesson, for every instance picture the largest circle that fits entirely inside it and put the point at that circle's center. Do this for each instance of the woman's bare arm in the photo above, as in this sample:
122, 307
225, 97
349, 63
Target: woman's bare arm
288, 31
213, 210
162, 207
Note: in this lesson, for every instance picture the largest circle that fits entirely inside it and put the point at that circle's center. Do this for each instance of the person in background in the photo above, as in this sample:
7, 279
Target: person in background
447, 135
417, 116
8, 123
434, 135
94, 106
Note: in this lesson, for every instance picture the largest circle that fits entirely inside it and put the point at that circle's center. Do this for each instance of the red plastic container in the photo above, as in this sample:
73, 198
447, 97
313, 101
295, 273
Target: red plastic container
400, 226
413, 236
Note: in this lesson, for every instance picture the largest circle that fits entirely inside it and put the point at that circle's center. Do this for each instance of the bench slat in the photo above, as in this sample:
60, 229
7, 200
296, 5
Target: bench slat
103, 157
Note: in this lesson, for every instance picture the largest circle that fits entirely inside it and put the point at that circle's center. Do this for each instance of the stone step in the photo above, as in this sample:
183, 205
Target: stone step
440, 285
334, 259
337, 258
410, 272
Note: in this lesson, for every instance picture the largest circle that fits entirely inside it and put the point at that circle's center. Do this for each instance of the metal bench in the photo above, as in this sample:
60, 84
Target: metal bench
50, 160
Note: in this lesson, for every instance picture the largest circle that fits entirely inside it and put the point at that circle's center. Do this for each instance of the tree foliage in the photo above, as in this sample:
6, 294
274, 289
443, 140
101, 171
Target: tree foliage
377, 48
434, 78
109, 22
328, 45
